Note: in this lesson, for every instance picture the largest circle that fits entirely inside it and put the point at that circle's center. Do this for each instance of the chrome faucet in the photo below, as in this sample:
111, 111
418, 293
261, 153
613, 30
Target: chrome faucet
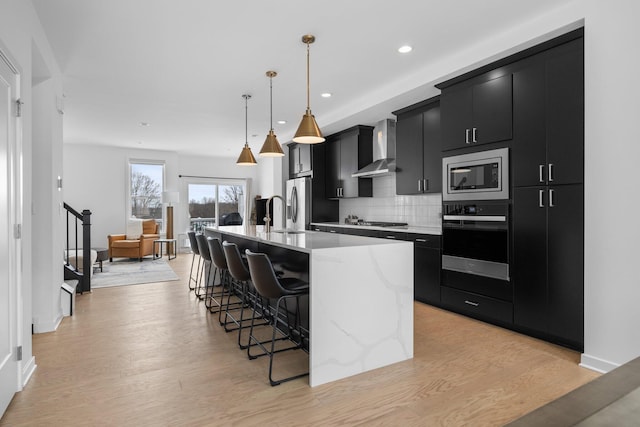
267, 219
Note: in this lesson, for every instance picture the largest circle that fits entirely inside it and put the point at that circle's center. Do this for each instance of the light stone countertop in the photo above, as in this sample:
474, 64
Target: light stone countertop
436, 231
303, 241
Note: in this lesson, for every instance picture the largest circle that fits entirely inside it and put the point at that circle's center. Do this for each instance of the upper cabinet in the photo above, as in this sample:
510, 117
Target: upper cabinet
477, 111
418, 148
348, 151
299, 160
548, 140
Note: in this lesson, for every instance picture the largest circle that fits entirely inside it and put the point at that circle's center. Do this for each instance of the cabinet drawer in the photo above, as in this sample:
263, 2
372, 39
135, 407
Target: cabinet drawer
477, 305
424, 240
394, 235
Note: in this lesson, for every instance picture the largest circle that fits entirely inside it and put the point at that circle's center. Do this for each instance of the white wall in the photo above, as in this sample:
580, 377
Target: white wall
20, 33
612, 150
95, 178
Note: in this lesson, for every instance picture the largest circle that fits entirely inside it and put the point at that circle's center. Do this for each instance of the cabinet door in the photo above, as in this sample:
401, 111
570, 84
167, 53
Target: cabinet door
432, 150
349, 164
566, 263
565, 113
332, 178
293, 160
528, 150
304, 156
426, 274
492, 111
409, 159
456, 104
530, 257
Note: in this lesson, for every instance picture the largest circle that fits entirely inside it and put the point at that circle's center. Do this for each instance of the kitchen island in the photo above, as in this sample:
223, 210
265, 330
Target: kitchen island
360, 299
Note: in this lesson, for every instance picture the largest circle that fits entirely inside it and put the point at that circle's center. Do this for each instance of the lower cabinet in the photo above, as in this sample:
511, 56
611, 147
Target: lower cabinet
548, 242
476, 305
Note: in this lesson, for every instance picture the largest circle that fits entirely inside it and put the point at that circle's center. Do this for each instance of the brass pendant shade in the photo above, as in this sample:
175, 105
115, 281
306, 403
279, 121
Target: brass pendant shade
271, 146
308, 132
246, 156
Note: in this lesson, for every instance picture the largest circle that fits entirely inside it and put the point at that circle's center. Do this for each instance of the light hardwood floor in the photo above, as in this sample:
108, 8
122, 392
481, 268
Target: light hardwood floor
152, 355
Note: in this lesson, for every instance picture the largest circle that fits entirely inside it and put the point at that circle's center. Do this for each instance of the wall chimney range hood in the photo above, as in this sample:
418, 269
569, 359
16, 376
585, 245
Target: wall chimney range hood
384, 151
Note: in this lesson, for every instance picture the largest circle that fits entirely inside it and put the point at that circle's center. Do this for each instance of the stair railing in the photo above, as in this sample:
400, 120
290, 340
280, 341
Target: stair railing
79, 219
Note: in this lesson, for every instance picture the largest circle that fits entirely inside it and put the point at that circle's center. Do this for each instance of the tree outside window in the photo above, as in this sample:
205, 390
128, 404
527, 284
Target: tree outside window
146, 186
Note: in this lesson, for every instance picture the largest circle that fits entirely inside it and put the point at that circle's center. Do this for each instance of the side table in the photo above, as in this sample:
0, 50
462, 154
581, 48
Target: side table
102, 255
158, 243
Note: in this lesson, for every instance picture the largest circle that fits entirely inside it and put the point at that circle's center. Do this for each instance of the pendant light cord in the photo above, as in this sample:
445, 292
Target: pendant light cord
271, 101
246, 120
308, 96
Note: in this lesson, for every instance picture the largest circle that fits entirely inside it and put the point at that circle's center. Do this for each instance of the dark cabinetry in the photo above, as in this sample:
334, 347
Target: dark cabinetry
299, 160
477, 111
548, 142
418, 147
548, 261
347, 152
548, 198
427, 259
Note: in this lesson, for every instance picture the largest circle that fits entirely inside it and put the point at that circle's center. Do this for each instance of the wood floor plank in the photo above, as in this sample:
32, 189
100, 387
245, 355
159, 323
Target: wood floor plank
152, 354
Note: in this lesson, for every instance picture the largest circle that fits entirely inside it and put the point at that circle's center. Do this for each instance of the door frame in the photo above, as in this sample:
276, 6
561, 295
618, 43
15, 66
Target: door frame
15, 202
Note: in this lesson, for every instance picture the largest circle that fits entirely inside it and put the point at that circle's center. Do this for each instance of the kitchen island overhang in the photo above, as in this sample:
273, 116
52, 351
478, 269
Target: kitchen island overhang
360, 301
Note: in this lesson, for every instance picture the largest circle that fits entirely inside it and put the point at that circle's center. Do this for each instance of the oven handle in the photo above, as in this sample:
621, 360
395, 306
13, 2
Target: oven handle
479, 218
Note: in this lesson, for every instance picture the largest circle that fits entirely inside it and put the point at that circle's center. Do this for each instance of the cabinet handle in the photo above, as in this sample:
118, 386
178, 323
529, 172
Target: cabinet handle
550, 172
541, 198
541, 173
551, 198
332, 231
466, 136
425, 184
390, 237
475, 304
419, 189
474, 134
421, 240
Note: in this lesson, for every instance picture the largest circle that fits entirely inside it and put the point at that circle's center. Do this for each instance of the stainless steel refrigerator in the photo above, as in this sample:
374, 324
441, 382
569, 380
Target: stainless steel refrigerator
298, 203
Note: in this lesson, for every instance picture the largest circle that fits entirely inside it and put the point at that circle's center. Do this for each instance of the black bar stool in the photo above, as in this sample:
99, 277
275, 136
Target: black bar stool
196, 252
203, 249
241, 287
220, 263
270, 287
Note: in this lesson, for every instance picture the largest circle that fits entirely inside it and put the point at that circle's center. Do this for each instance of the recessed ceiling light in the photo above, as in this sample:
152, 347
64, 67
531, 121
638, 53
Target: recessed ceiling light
326, 95
145, 124
405, 49
281, 122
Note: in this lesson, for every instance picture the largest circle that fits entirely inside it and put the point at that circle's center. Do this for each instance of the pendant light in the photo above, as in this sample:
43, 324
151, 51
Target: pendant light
246, 156
308, 132
271, 146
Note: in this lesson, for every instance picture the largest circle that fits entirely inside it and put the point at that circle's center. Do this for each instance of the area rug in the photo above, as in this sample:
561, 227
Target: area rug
127, 272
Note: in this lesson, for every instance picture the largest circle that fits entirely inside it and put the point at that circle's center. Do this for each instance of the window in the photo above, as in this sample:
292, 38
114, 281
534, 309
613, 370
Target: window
216, 203
146, 184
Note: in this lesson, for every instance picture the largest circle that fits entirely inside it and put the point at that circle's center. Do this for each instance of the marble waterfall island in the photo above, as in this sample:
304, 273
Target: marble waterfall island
360, 301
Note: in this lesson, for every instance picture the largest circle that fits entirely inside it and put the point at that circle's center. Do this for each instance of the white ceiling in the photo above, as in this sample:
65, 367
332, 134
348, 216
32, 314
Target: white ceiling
183, 65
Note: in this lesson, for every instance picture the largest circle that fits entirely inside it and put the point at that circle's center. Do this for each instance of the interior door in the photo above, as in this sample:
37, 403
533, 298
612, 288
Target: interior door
9, 373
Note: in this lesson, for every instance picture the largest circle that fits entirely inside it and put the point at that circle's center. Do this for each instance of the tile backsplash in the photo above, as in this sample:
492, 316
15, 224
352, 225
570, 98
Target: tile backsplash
420, 210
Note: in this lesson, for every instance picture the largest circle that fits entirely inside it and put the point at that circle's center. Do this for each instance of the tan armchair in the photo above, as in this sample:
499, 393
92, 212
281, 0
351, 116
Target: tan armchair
121, 247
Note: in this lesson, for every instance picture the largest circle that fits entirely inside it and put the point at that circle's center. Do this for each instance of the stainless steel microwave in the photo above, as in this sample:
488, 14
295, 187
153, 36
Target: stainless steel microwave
483, 175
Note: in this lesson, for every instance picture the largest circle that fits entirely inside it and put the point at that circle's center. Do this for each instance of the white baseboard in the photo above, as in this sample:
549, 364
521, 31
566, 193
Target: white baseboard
42, 327
597, 364
28, 370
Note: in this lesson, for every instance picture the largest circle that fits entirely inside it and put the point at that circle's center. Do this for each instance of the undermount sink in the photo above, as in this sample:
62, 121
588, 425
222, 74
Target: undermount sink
288, 231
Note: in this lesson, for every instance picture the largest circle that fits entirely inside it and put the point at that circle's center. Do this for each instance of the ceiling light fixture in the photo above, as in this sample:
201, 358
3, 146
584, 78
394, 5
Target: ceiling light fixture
326, 95
308, 132
405, 49
246, 156
271, 146
281, 122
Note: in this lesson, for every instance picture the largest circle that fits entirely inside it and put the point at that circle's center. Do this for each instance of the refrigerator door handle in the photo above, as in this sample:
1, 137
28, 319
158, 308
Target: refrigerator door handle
294, 204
